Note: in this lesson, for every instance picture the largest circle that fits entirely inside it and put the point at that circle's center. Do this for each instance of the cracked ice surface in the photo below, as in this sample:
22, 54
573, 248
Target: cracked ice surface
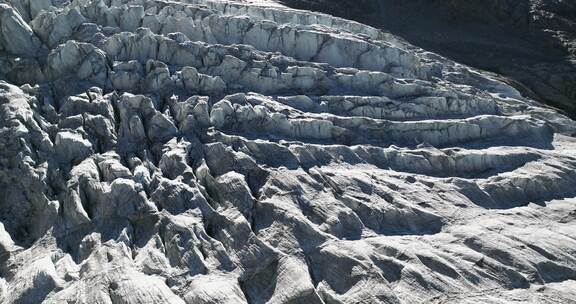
223, 152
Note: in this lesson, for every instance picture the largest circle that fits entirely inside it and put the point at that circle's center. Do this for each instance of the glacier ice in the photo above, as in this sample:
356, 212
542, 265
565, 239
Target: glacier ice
206, 151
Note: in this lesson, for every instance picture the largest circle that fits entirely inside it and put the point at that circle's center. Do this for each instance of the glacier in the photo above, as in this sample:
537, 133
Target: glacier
205, 151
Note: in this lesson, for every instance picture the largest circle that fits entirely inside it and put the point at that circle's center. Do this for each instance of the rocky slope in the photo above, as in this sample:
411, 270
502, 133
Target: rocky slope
531, 43
214, 152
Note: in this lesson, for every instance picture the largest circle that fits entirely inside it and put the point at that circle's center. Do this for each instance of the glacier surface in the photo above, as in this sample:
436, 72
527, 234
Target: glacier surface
206, 151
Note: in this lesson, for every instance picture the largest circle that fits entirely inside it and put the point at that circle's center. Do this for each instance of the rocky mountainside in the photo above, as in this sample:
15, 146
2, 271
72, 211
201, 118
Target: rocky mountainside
203, 151
532, 43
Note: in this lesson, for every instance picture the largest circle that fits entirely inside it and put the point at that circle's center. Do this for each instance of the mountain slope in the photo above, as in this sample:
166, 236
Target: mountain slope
531, 43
